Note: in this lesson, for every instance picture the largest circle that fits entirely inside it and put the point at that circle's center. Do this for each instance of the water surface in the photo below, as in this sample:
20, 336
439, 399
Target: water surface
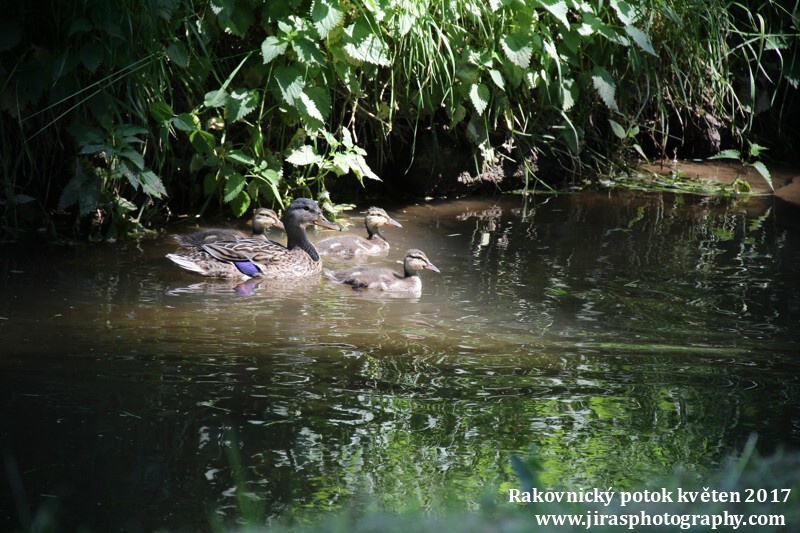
621, 335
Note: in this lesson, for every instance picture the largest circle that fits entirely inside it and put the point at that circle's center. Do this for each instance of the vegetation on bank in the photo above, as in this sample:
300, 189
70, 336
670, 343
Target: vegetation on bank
113, 114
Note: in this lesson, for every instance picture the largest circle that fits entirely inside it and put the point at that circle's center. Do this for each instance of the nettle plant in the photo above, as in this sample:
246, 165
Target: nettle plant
330, 73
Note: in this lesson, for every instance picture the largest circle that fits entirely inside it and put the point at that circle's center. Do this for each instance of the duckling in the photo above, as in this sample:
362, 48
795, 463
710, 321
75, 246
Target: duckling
386, 279
263, 219
355, 245
255, 257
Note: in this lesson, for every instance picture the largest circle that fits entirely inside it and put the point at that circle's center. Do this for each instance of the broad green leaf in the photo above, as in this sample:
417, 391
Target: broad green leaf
234, 184
618, 130
625, 12
762, 169
361, 169
128, 132
210, 183
363, 44
152, 184
309, 107
605, 87
728, 154
92, 55
326, 16
203, 142
240, 157
756, 149
317, 102
557, 8
290, 82
240, 203
518, 48
303, 156
569, 93
341, 164
161, 111
640, 38
308, 51
186, 122
234, 17
80, 25
134, 157
178, 54
215, 98
497, 78
479, 95
272, 47
239, 104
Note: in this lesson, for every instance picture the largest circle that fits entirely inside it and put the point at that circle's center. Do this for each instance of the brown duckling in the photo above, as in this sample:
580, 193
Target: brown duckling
386, 279
355, 245
263, 220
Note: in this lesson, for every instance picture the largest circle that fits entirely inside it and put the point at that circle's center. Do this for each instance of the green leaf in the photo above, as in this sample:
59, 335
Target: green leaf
152, 184
361, 169
215, 98
240, 157
133, 156
604, 85
240, 203
92, 55
518, 48
303, 156
479, 95
362, 44
203, 142
326, 16
234, 184
178, 54
272, 47
290, 82
161, 111
728, 154
239, 104
640, 38
756, 149
625, 12
308, 51
557, 8
316, 102
762, 169
497, 78
186, 122
618, 130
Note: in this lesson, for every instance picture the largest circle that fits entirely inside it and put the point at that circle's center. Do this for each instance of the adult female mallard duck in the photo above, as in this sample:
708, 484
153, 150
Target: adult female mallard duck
257, 257
354, 245
263, 220
386, 279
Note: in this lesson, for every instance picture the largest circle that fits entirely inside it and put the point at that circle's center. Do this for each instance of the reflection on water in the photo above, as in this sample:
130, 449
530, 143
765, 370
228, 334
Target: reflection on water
621, 335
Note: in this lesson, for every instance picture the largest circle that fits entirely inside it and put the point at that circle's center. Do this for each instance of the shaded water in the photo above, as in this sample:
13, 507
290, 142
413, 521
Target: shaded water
621, 335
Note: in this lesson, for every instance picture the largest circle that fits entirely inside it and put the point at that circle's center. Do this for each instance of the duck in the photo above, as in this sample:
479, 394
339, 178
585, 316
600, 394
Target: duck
355, 245
386, 279
263, 220
257, 257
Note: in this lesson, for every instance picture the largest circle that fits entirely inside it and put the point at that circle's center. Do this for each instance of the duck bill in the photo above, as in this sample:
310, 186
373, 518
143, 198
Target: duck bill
278, 224
325, 223
431, 266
